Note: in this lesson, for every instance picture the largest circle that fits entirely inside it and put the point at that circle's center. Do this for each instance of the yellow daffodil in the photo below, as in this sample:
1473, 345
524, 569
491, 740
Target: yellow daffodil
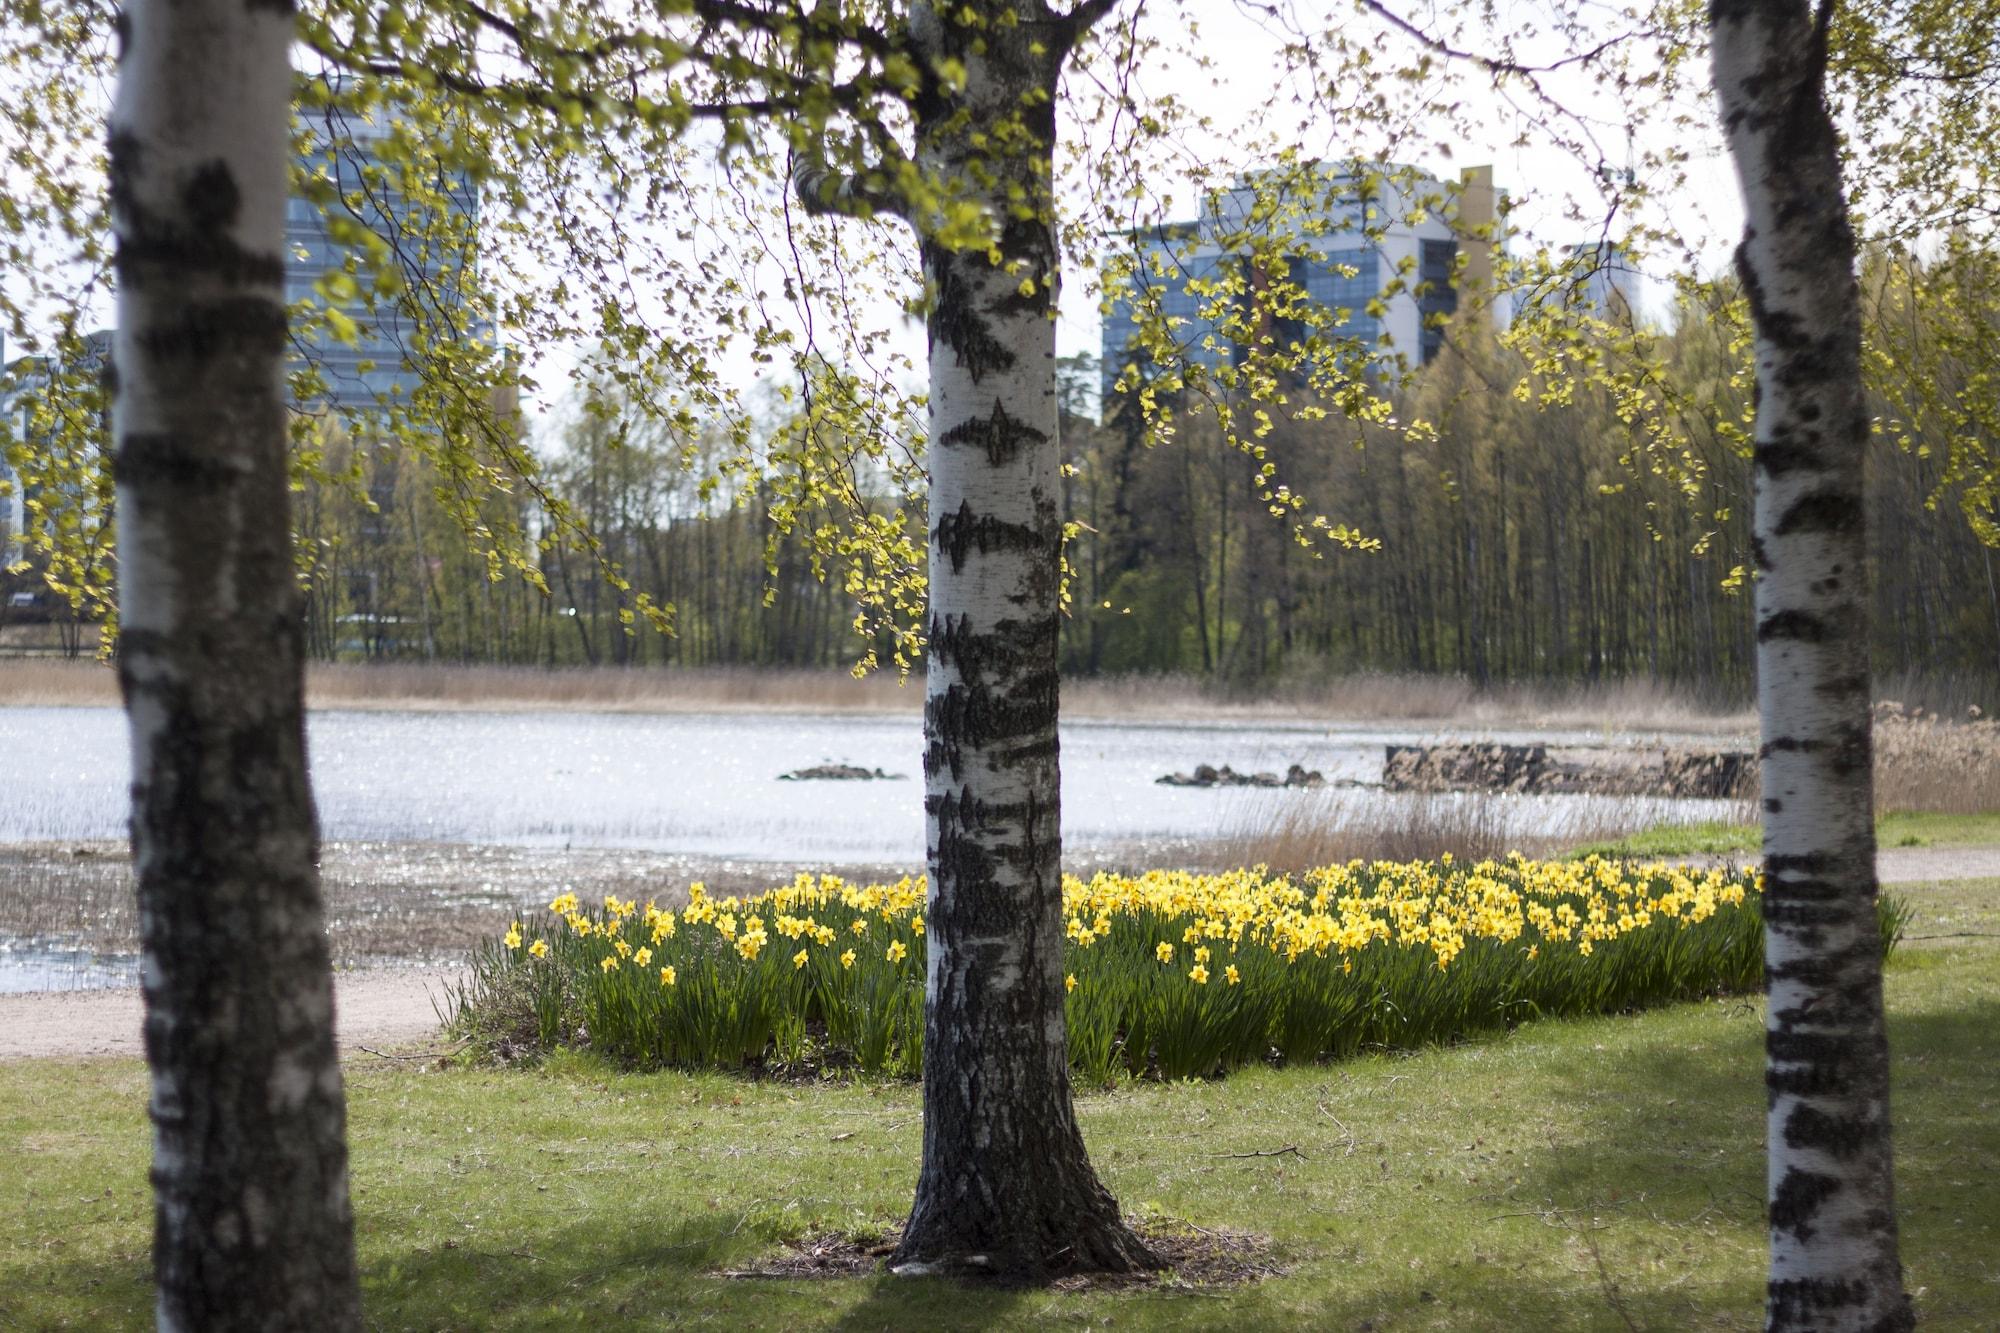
847, 959
668, 976
540, 949
897, 953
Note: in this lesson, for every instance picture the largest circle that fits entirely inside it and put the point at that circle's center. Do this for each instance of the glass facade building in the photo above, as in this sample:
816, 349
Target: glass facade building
377, 370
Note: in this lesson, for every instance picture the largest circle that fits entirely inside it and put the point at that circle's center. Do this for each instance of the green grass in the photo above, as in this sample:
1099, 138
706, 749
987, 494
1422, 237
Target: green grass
1718, 839
1571, 1175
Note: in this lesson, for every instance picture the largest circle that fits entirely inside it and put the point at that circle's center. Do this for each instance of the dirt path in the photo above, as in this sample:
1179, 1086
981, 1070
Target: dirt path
384, 1007
1917, 865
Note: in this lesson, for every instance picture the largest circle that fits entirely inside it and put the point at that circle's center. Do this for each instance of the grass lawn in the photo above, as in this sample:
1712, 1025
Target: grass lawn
1891, 830
1576, 1175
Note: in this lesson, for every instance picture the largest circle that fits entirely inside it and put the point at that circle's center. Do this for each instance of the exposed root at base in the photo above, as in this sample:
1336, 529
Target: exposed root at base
1191, 1256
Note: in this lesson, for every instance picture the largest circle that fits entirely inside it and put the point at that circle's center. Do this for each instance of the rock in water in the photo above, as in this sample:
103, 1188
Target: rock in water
838, 773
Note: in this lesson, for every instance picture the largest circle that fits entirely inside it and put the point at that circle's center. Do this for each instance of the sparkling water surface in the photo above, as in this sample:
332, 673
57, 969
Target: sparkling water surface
710, 784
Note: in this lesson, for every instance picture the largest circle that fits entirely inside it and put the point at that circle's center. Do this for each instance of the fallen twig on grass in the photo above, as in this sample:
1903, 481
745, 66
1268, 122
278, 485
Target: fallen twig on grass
1342, 1126
1291, 1148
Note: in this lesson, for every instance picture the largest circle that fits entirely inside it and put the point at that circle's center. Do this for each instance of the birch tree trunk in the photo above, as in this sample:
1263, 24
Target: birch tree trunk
252, 1226
1006, 1186
1834, 1263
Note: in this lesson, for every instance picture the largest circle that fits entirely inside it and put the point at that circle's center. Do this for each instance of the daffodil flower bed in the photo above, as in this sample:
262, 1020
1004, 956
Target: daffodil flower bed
1167, 974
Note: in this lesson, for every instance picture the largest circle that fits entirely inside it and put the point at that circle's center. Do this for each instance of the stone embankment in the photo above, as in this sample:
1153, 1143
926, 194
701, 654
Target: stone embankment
1537, 770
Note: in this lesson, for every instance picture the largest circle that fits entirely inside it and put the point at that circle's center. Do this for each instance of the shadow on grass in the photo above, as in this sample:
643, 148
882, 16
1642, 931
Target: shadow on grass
607, 1275
1676, 1136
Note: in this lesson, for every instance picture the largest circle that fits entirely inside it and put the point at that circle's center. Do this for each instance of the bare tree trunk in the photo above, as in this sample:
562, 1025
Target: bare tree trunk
1834, 1263
1006, 1186
252, 1222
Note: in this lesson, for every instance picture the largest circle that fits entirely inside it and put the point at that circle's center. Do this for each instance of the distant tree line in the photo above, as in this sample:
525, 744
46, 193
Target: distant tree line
1519, 540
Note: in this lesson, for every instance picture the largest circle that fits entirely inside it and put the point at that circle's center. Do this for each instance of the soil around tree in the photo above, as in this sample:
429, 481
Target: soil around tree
1206, 1258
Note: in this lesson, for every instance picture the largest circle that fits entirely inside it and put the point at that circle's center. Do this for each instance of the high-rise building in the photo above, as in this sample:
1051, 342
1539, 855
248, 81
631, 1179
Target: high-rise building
346, 150
1604, 283
43, 398
1363, 227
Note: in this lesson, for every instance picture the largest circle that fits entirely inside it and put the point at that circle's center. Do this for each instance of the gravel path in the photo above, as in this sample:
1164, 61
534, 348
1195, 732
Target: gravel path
1916, 865
387, 1008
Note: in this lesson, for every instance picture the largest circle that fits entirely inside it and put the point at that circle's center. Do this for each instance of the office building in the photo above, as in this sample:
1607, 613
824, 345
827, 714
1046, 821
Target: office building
1362, 228
376, 371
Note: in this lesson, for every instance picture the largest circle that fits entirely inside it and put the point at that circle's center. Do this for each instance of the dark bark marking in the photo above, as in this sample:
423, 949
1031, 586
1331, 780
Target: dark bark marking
1848, 753
249, 324
1031, 239
958, 534
211, 198
1798, 1198
1002, 436
148, 243
953, 642
1009, 647
1806, 1303
1822, 511
956, 323
1780, 458
1772, 805
1803, 626
970, 716
1808, 1127
172, 460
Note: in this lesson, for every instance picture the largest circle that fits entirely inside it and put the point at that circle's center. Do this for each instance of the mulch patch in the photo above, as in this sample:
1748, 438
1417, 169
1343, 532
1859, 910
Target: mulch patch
1194, 1257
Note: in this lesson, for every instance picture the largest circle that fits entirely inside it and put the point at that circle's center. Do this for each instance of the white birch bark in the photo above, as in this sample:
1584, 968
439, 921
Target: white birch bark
1833, 1262
1006, 1186
253, 1228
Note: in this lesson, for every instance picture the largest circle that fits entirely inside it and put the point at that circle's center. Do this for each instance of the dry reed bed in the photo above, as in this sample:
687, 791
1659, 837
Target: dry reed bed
1443, 701
1924, 762
1331, 828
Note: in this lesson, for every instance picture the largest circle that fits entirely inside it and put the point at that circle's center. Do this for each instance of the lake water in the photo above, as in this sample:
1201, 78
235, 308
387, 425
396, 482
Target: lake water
708, 788
709, 785
27, 966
